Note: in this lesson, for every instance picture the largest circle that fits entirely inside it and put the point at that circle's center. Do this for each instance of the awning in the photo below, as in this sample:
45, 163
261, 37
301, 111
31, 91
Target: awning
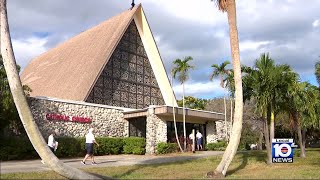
166, 113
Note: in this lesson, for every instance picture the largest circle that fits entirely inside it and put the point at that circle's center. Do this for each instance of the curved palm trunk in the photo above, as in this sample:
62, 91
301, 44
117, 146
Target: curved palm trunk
174, 119
231, 114
23, 108
184, 121
225, 118
237, 126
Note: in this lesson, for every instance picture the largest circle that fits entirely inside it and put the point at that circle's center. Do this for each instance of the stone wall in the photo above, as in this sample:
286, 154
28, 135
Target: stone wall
108, 122
216, 131
156, 131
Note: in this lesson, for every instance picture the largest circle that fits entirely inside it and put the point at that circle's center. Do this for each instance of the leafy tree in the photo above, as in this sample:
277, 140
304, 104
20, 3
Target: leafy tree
229, 6
182, 68
193, 103
317, 72
9, 117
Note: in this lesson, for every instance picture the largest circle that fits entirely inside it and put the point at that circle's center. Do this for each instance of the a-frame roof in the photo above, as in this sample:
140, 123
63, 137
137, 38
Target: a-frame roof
70, 70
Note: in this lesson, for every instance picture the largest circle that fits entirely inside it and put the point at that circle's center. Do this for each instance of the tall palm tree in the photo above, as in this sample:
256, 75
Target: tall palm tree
317, 72
229, 6
267, 83
174, 117
182, 68
302, 106
23, 108
221, 72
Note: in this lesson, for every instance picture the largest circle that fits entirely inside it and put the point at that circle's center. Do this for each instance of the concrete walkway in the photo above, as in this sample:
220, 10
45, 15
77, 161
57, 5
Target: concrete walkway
104, 161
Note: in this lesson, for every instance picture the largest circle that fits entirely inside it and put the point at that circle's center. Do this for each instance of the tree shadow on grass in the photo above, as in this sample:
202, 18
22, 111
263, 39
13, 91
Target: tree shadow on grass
157, 162
259, 156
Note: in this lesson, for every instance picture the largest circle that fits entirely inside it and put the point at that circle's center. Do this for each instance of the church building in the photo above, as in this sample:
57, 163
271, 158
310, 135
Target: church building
112, 77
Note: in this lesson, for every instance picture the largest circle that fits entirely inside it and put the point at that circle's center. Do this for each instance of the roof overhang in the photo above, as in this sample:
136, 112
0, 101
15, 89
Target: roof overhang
167, 112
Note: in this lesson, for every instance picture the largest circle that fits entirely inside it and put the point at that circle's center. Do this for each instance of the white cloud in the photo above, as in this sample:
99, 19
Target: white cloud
204, 12
316, 23
27, 49
199, 89
252, 45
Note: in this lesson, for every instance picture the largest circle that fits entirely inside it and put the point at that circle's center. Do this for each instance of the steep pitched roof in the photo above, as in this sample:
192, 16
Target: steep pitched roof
69, 70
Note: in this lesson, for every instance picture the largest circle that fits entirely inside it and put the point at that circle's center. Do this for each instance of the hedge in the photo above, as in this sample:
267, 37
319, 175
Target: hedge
218, 146
165, 148
21, 148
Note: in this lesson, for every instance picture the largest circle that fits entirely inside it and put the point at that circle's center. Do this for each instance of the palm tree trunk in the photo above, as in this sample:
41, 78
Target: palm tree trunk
268, 143
232, 147
184, 121
260, 141
301, 144
23, 108
272, 127
174, 118
225, 118
231, 114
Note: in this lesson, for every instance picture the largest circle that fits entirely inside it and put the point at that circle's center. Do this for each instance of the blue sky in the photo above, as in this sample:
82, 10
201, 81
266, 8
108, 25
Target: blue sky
288, 30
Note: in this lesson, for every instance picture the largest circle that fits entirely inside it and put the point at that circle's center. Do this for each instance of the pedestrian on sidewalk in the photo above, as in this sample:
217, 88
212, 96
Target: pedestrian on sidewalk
90, 141
199, 140
52, 143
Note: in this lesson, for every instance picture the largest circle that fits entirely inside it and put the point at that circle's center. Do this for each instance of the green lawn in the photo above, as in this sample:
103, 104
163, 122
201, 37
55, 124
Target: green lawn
246, 165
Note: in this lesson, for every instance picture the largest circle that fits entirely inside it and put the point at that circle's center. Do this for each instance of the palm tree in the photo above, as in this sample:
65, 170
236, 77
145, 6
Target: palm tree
229, 6
222, 72
317, 73
302, 106
23, 108
182, 67
174, 117
267, 83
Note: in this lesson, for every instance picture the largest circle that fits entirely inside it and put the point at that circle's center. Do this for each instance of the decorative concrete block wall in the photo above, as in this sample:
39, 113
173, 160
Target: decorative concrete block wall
156, 131
73, 119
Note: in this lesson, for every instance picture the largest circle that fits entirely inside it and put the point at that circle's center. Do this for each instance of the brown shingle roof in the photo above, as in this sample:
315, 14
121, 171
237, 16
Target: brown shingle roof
70, 70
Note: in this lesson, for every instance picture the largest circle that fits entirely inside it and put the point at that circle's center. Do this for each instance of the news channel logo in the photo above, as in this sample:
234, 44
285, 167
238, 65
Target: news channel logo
282, 150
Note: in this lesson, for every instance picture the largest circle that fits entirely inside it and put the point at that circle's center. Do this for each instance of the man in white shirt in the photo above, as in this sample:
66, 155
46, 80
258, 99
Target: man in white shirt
90, 140
52, 143
199, 140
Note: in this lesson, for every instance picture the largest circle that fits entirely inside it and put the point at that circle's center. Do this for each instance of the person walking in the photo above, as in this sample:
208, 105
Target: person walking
199, 140
90, 141
52, 143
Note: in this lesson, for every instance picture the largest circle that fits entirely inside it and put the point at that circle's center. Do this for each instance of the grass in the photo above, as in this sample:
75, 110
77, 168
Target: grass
246, 165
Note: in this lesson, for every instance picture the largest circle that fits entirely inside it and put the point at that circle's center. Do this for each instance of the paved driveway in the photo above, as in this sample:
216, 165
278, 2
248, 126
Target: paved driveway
104, 161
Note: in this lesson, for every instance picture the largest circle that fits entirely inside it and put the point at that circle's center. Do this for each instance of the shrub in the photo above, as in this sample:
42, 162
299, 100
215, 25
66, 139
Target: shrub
134, 145
218, 146
109, 146
21, 148
165, 148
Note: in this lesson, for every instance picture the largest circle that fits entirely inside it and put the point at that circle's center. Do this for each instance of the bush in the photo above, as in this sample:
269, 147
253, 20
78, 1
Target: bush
21, 148
17, 148
134, 145
109, 146
218, 146
165, 148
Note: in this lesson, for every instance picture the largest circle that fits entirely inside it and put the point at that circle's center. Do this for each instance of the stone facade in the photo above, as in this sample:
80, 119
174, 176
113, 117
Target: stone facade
216, 131
156, 131
108, 122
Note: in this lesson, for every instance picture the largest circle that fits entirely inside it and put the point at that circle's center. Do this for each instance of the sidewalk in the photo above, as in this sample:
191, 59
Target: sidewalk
104, 161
